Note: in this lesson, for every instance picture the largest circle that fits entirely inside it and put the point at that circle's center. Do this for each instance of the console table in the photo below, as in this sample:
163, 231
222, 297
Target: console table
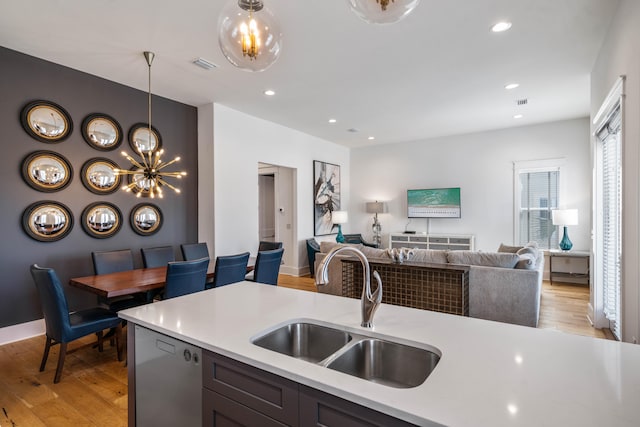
583, 261
435, 287
452, 242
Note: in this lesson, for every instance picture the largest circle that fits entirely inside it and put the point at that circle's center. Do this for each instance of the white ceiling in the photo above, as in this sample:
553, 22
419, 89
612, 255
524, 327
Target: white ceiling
438, 72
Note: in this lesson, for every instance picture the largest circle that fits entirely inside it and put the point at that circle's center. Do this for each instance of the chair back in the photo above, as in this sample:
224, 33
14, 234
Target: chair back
186, 277
53, 302
106, 262
157, 257
268, 266
312, 249
230, 269
269, 246
193, 251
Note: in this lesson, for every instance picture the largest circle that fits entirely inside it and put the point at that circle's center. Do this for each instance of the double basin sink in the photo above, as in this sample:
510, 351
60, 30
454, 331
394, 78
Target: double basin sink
373, 359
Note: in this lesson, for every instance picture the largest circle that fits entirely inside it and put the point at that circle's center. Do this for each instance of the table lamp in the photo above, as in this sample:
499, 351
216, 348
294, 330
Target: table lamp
339, 218
376, 208
565, 217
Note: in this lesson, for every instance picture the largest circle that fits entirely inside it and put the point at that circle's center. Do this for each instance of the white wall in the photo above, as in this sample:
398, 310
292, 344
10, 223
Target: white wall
619, 55
481, 164
240, 143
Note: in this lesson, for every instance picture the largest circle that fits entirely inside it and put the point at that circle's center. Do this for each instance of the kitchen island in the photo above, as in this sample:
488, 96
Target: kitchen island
489, 374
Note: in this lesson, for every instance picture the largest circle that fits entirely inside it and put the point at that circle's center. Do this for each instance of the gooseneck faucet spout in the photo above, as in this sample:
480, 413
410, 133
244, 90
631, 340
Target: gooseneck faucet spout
370, 300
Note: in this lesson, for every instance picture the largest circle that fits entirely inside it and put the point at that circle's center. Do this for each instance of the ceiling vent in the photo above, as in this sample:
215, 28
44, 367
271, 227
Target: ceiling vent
203, 63
523, 101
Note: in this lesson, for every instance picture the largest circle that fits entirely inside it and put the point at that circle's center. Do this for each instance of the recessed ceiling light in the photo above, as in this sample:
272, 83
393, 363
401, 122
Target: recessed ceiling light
511, 86
518, 116
332, 120
500, 27
371, 138
269, 92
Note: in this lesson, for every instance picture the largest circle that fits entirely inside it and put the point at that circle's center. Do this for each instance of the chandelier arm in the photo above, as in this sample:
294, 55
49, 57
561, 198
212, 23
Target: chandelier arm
164, 165
163, 182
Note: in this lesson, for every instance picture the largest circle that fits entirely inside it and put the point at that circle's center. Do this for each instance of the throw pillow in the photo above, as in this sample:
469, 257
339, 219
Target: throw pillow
527, 261
486, 259
509, 249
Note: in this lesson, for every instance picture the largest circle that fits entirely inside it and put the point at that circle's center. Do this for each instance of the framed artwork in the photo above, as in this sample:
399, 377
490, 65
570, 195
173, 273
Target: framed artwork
326, 196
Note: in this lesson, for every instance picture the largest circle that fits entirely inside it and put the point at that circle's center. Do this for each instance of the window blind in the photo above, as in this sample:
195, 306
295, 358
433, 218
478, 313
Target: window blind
609, 137
538, 196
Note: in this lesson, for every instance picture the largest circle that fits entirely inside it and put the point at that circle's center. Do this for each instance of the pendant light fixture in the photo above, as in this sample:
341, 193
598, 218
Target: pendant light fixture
147, 176
382, 11
249, 35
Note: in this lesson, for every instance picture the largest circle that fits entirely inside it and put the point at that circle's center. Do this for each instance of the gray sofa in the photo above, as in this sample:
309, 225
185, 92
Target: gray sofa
504, 286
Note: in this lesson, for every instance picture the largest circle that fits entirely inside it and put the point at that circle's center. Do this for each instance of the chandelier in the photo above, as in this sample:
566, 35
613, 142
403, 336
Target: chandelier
382, 11
249, 35
147, 175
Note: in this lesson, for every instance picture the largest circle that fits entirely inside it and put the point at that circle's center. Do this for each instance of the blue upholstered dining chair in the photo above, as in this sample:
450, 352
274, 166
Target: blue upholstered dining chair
185, 277
230, 269
64, 327
157, 257
268, 246
268, 266
105, 262
191, 251
312, 249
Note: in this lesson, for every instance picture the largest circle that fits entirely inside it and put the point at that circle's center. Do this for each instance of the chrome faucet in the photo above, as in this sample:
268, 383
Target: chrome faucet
370, 301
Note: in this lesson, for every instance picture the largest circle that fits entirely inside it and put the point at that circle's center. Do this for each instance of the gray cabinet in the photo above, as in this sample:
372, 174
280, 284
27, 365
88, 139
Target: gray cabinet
238, 394
452, 242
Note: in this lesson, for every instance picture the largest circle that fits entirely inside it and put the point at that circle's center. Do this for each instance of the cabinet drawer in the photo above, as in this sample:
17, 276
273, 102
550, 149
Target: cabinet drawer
459, 241
220, 411
418, 239
261, 391
399, 238
438, 240
438, 247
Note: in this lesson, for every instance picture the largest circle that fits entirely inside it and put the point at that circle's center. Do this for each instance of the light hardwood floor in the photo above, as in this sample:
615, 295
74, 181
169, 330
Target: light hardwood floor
93, 389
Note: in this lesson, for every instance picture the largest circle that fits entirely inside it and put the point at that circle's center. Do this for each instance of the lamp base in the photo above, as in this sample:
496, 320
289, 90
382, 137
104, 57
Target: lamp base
565, 243
340, 236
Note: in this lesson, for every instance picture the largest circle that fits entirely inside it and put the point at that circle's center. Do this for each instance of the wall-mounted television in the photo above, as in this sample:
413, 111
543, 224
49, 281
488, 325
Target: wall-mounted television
433, 203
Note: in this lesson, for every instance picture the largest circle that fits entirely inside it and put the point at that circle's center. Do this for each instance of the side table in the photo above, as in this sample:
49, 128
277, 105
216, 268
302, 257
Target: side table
558, 255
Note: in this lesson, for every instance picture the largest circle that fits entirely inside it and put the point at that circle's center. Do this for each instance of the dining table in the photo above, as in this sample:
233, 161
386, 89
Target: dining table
132, 282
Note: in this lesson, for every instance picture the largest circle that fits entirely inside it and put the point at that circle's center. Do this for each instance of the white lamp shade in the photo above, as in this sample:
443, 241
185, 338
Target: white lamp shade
376, 207
565, 217
339, 217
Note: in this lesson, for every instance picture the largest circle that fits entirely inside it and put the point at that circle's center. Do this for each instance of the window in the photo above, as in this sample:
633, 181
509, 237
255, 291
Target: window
608, 209
537, 188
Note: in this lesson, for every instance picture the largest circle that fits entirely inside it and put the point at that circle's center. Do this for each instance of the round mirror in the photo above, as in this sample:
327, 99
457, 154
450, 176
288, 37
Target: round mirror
142, 182
46, 121
47, 221
101, 220
102, 132
143, 142
46, 171
146, 219
98, 176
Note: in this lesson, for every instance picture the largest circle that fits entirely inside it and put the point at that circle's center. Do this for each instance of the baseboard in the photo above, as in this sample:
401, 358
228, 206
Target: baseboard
294, 271
21, 331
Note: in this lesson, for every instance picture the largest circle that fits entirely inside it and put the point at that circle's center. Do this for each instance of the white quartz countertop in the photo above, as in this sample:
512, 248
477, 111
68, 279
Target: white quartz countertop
490, 374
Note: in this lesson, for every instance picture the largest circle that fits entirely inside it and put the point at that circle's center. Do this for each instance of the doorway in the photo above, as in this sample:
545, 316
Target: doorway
276, 211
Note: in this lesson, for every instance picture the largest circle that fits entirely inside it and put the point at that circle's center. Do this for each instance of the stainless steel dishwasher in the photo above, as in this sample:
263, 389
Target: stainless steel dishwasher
168, 381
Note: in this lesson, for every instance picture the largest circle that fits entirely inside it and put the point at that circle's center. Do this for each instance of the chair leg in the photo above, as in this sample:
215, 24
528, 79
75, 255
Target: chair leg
119, 342
45, 356
100, 341
63, 353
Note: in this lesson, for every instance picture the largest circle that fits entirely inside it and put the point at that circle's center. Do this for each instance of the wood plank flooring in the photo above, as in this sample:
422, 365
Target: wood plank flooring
93, 389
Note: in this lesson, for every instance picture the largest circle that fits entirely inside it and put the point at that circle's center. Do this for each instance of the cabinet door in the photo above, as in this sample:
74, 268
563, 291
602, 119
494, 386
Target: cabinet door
218, 411
319, 409
262, 391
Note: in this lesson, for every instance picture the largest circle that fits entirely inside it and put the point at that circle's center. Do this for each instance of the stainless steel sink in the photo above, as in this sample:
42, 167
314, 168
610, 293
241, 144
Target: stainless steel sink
385, 362
306, 341
373, 359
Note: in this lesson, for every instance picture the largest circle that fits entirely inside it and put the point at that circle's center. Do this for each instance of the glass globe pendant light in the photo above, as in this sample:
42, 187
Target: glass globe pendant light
249, 35
382, 11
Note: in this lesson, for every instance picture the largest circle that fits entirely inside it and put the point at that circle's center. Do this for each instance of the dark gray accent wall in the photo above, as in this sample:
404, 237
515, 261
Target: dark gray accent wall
24, 79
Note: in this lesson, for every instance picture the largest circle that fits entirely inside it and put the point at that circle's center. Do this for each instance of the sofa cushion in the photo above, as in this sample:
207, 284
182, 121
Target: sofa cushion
373, 252
487, 259
326, 246
509, 249
430, 256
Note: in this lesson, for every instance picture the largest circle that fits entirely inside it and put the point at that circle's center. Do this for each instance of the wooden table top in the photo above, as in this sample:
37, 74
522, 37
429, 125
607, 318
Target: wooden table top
126, 282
